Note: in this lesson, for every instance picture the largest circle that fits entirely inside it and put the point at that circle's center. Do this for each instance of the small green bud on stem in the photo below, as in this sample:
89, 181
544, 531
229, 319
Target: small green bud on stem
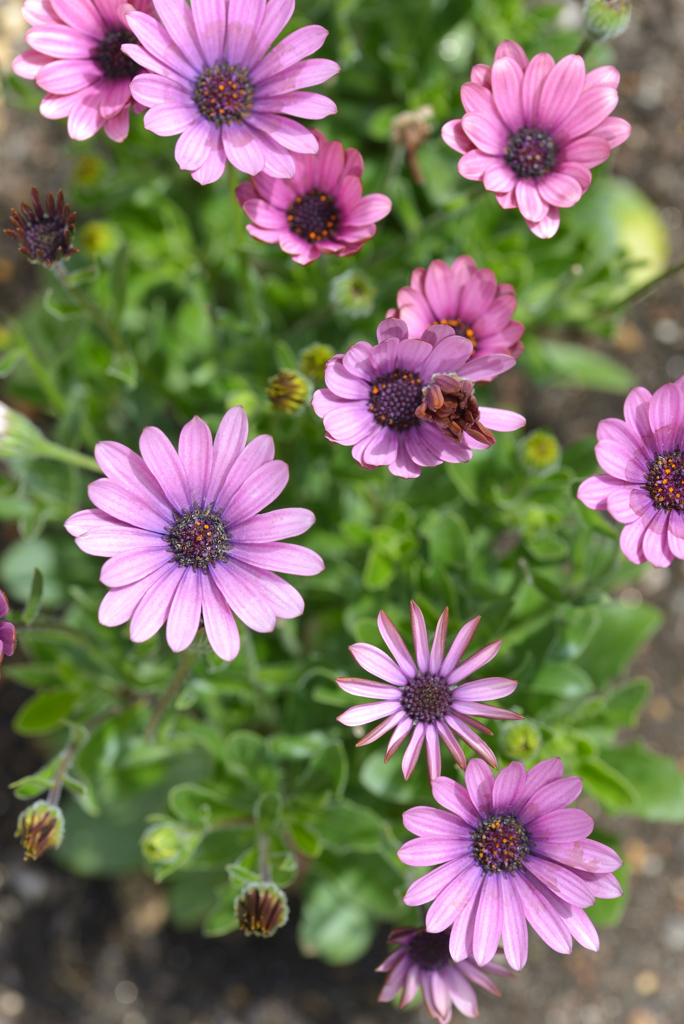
40, 828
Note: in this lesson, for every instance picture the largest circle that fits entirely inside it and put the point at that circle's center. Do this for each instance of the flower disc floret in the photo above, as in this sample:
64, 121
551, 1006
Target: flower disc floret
512, 852
430, 952
642, 485
185, 538
394, 399
533, 129
321, 210
426, 698
111, 58
223, 93
468, 299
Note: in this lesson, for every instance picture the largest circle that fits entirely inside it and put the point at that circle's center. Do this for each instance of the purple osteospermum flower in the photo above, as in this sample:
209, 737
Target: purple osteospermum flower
8, 634
213, 81
184, 537
374, 391
320, 210
423, 961
76, 56
532, 129
643, 486
426, 697
511, 851
465, 298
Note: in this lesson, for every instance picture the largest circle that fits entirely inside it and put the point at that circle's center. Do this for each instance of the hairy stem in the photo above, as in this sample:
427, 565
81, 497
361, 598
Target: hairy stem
186, 662
44, 379
60, 453
585, 46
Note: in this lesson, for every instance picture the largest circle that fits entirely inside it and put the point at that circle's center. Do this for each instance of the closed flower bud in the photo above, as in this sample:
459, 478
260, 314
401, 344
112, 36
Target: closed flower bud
540, 452
313, 358
168, 842
606, 19
288, 391
353, 294
40, 828
519, 739
44, 235
261, 909
19, 436
411, 128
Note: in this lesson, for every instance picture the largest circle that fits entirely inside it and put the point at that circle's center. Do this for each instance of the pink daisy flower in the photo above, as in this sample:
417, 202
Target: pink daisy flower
76, 56
512, 852
643, 484
423, 962
184, 539
213, 81
321, 210
429, 698
532, 129
407, 403
467, 299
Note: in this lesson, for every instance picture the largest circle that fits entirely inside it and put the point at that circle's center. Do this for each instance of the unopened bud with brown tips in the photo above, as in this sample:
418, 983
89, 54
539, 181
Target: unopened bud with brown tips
40, 828
261, 909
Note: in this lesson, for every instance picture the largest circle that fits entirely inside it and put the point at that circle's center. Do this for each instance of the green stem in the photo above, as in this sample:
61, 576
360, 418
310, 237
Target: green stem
60, 453
55, 794
42, 375
85, 302
585, 46
645, 290
264, 845
175, 686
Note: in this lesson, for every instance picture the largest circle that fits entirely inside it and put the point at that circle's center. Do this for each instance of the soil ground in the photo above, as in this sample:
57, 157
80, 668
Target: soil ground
78, 952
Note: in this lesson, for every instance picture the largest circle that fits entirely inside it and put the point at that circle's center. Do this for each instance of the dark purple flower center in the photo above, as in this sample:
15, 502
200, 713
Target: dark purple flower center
45, 239
394, 399
223, 93
500, 843
426, 698
665, 481
198, 539
111, 59
313, 216
531, 153
463, 329
430, 951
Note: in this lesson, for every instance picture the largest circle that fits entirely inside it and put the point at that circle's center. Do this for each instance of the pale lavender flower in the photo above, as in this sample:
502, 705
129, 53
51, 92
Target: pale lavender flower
214, 80
381, 399
321, 210
533, 129
467, 299
428, 698
511, 852
184, 537
8, 633
643, 483
423, 962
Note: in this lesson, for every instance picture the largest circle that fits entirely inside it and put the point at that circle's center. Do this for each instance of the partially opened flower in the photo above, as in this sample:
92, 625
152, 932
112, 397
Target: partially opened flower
467, 299
423, 962
511, 852
321, 210
76, 57
643, 483
533, 129
44, 233
427, 698
211, 79
386, 401
184, 537
8, 634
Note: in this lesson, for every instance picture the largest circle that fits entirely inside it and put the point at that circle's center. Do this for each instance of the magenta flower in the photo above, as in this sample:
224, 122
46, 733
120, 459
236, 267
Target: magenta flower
320, 210
76, 56
8, 634
643, 484
374, 393
426, 698
184, 539
465, 298
423, 962
532, 129
511, 851
213, 81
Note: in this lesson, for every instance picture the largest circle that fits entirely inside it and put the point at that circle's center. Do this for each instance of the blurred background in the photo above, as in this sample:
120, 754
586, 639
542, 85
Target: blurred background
74, 951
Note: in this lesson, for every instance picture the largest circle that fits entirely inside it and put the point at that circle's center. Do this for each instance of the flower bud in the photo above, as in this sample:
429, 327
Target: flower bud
411, 128
19, 436
44, 234
353, 294
540, 452
168, 842
313, 358
40, 828
288, 391
519, 739
261, 909
606, 19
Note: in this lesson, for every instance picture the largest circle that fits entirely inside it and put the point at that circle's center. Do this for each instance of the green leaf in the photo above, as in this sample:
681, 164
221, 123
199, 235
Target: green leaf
657, 780
620, 706
333, 928
220, 919
349, 827
328, 772
9, 362
378, 572
332, 697
561, 679
573, 365
620, 635
191, 896
200, 805
307, 842
387, 782
607, 785
33, 604
44, 713
31, 786
447, 536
